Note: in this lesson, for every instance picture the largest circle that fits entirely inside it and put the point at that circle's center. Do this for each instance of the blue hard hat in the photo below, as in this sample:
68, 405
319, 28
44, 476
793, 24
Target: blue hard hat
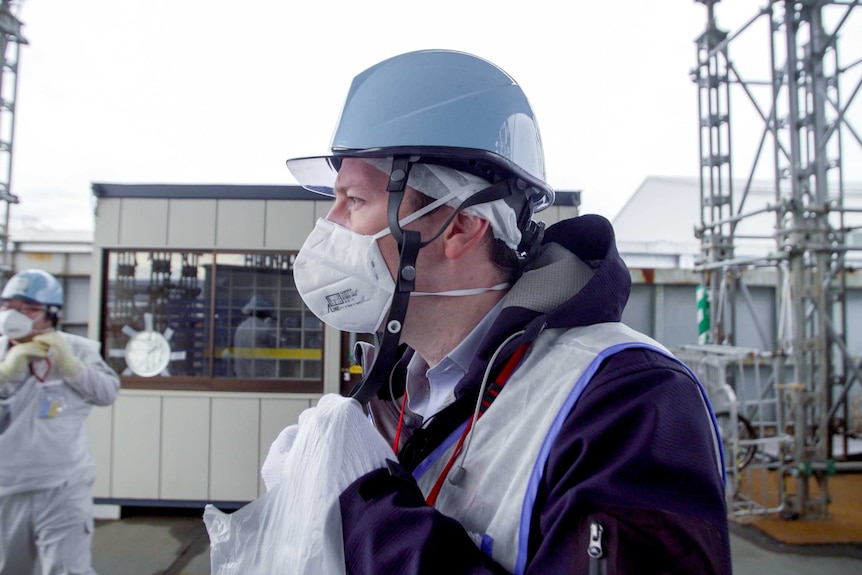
35, 286
446, 107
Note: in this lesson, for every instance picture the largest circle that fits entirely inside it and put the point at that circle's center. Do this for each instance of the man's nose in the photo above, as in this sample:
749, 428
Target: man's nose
336, 213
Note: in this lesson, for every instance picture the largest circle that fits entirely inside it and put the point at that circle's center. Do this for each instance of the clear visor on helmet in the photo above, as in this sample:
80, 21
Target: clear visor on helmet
318, 173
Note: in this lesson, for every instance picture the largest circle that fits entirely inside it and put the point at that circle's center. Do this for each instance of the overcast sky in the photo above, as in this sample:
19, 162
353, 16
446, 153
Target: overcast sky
211, 91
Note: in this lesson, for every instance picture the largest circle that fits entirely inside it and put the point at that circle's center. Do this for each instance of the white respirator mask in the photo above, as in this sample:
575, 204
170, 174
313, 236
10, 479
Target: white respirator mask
343, 279
14, 324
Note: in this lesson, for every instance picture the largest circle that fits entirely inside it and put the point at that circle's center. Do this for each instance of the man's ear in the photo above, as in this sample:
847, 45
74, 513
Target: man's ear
463, 233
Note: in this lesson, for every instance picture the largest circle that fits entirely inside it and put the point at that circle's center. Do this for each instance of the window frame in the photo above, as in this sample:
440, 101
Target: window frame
208, 382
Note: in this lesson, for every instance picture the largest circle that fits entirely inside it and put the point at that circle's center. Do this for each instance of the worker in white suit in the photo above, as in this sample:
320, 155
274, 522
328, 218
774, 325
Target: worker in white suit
49, 381
254, 337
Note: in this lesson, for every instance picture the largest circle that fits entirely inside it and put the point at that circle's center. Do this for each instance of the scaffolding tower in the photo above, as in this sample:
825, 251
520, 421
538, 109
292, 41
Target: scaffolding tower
802, 106
10, 44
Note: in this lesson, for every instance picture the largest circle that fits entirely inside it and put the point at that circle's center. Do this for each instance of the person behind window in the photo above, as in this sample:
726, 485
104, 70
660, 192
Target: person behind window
254, 338
533, 431
49, 381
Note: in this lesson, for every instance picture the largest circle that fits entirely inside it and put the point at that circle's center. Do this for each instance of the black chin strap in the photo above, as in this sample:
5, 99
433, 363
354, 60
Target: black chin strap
389, 336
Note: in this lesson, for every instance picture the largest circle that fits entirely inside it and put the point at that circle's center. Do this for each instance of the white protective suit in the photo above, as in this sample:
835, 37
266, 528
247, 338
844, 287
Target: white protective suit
47, 471
255, 335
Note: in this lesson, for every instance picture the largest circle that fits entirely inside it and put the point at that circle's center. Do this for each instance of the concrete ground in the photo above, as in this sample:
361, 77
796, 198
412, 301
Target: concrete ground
175, 542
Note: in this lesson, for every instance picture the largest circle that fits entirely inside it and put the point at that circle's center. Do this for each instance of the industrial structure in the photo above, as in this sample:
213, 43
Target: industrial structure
803, 419
10, 44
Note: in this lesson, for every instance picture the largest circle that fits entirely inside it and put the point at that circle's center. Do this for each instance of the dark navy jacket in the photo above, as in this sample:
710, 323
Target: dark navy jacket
636, 454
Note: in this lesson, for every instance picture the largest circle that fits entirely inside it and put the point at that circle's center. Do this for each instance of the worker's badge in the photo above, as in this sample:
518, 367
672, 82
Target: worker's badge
53, 401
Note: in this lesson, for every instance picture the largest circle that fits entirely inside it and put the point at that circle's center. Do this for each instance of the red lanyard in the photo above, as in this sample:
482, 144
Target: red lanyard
502, 378
44, 374
400, 422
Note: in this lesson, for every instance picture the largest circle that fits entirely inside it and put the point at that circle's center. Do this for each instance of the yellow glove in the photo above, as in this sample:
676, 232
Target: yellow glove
18, 357
64, 359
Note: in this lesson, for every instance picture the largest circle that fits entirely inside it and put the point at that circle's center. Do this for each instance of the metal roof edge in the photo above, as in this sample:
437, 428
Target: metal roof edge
204, 191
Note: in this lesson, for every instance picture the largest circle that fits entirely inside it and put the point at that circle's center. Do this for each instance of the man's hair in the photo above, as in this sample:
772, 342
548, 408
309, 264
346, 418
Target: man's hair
502, 256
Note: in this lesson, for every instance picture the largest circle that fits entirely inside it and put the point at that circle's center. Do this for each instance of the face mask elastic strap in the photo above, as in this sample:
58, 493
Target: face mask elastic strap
418, 214
498, 191
464, 292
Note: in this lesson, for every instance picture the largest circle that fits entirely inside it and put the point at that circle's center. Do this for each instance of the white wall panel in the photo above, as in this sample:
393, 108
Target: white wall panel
321, 209
144, 222
240, 224
53, 263
554, 214
107, 228
79, 264
331, 359
185, 447
135, 454
54, 259
549, 216
77, 299
99, 431
191, 224
288, 224
234, 449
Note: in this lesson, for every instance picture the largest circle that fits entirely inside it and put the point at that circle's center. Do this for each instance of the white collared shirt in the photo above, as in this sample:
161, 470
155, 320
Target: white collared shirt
430, 390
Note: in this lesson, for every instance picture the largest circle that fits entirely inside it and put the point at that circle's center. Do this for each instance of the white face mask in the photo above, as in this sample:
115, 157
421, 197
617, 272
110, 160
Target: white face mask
14, 324
343, 279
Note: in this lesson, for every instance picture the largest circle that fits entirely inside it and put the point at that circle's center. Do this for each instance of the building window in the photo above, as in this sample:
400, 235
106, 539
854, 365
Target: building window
210, 320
